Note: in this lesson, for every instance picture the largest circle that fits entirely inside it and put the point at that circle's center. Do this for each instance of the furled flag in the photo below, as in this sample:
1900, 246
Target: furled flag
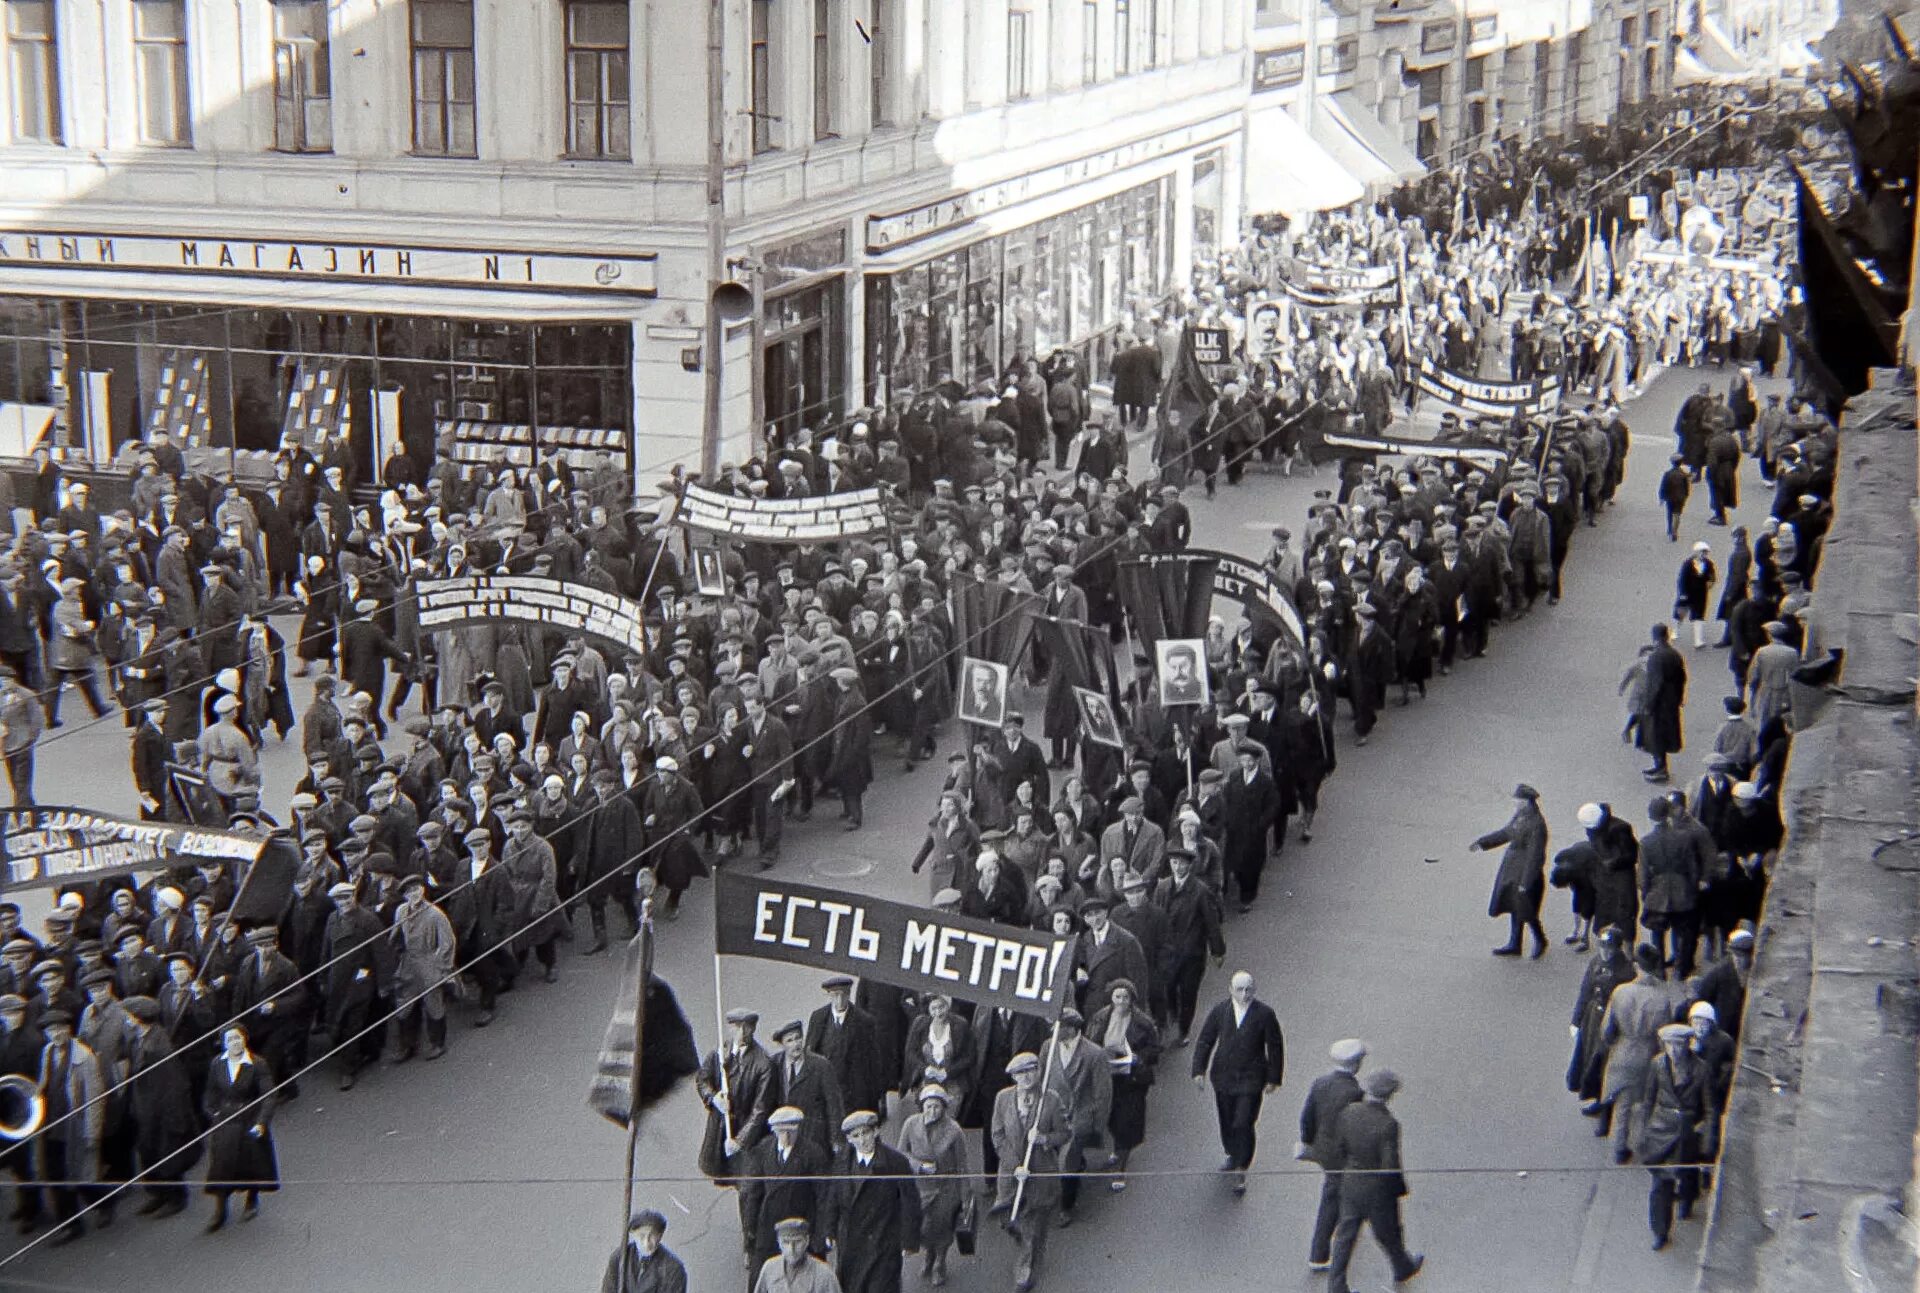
661, 1047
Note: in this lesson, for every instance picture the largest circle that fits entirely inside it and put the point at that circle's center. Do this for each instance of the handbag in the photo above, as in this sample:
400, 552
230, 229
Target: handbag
966, 1226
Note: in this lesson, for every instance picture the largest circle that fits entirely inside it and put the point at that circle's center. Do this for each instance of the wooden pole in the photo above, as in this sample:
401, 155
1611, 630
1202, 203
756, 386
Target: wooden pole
639, 1040
1033, 1132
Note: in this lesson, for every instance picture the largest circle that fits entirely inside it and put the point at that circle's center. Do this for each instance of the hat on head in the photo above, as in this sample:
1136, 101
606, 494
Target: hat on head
1745, 791
1381, 1083
1702, 1010
1071, 1018
1024, 1062
1702, 546
1675, 1032
792, 1227
837, 983
647, 1219
931, 1091
792, 1028
341, 890
859, 1118
145, 1009
1741, 937
58, 1015
13, 1001
1095, 902
1612, 936
786, 1116
741, 1015
94, 978
1348, 1051
263, 935
1525, 791
948, 897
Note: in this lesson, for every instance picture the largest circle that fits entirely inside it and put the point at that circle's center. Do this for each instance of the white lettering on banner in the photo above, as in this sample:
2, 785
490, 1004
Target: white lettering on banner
898, 227
819, 517
438, 266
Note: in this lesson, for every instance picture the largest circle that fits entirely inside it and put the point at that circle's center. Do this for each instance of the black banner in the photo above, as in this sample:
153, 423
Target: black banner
529, 599
1257, 590
910, 947
43, 848
1169, 595
821, 518
991, 620
1490, 455
1490, 399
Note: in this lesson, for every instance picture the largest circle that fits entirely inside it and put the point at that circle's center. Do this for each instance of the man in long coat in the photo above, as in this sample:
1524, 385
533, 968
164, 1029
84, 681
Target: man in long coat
782, 1181
610, 848
738, 1104
850, 765
1028, 1131
1319, 1118
802, 1079
165, 1118
1521, 881
1666, 695
846, 1035
1367, 1150
1253, 802
873, 1222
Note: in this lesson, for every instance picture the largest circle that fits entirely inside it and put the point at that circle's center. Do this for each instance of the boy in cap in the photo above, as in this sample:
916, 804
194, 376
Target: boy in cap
642, 1264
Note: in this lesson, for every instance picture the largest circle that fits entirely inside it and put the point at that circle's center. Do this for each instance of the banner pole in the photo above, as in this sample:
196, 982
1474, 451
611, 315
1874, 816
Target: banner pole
1033, 1132
720, 1018
639, 1037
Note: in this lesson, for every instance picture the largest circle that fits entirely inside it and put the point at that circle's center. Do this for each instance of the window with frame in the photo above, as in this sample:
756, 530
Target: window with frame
823, 69
879, 25
1542, 78
760, 74
1089, 41
443, 79
160, 72
302, 78
1476, 82
33, 68
1576, 69
1122, 37
599, 95
1433, 86
1275, 13
1152, 54
1019, 54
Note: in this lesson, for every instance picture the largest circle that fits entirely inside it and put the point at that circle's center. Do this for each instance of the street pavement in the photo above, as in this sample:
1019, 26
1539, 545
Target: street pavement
487, 1171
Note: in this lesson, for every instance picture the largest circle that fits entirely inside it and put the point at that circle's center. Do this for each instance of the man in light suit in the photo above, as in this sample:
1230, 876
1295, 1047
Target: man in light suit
1242, 1052
1137, 841
1083, 1080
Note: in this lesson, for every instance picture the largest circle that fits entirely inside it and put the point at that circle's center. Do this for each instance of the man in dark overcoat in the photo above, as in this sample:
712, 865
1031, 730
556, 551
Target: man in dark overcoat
1367, 1152
847, 1037
872, 1208
1659, 732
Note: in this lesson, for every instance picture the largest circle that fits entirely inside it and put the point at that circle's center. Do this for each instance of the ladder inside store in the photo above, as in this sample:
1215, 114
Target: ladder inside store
180, 405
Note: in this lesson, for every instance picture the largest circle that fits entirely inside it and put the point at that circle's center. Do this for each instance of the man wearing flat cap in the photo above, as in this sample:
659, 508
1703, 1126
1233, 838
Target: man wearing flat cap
850, 750
161, 1109
1136, 841
354, 954
1674, 1118
1521, 883
739, 1104
1366, 1150
271, 1000
1319, 1116
73, 1089
794, 1268
846, 1036
873, 1223
802, 1079
1108, 952
1029, 1131
643, 1264
611, 839
783, 1179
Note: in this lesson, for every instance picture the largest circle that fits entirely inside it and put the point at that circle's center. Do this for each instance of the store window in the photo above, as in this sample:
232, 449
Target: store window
1019, 54
302, 78
443, 79
160, 72
599, 96
825, 73
760, 74
33, 67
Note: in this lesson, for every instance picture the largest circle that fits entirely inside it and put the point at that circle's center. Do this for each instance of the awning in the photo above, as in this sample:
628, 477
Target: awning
1357, 139
1287, 172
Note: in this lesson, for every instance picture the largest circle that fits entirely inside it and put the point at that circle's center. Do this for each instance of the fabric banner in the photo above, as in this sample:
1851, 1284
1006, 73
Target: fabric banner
530, 599
821, 518
1492, 455
1080, 654
1490, 399
1187, 391
641, 1058
46, 847
1168, 595
1257, 590
991, 620
1337, 286
909, 947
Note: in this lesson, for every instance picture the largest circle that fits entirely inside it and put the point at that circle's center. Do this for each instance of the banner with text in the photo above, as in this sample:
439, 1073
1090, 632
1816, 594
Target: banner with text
821, 518
890, 942
1488, 399
1490, 455
1340, 286
41, 848
1257, 590
530, 599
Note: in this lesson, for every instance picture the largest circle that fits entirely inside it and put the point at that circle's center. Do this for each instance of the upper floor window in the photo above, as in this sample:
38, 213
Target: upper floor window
1275, 13
160, 72
1089, 41
33, 66
1122, 37
825, 71
1019, 54
1155, 33
302, 78
443, 79
599, 121
760, 74
879, 32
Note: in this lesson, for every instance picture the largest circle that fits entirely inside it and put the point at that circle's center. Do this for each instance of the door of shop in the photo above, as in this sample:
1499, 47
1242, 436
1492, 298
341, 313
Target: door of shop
801, 357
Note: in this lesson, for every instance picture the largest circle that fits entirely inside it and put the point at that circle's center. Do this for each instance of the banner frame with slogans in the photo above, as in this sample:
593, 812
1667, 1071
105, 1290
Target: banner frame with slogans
1492, 455
1250, 584
1487, 399
158, 845
789, 931
815, 518
477, 599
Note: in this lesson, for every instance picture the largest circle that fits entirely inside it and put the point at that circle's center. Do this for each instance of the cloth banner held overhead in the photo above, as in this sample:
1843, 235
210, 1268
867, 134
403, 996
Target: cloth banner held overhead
821, 518
1185, 394
1491, 399
1081, 655
530, 599
1257, 590
909, 947
1491, 455
1339, 286
991, 620
1169, 595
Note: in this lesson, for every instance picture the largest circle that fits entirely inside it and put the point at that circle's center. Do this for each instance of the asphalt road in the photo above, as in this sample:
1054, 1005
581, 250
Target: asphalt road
487, 1171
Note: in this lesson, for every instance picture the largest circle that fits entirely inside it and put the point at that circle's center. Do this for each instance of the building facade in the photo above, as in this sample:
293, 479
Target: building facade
485, 220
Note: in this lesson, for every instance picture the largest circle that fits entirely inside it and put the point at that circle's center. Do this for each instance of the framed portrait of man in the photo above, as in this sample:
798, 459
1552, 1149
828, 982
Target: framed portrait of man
1180, 664
1097, 720
708, 576
983, 692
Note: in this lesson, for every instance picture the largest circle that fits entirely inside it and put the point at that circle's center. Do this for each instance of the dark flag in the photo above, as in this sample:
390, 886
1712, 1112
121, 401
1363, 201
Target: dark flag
1183, 397
1168, 595
661, 1042
991, 620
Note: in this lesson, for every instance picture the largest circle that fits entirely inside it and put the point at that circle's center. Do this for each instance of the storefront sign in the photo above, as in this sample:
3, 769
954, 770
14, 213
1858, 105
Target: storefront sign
1275, 69
46, 847
1489, 399
909, 947
1439, 37
1482, 27
818, 519
333, 261
901, 227
529, 599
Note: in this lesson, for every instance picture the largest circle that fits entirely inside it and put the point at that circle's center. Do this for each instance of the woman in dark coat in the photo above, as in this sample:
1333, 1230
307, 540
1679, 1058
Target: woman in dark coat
1739, 572
1126, 1033
319, 594
939, 1050
1416, 635
239, 1106
1609, 968
1521, 881
1616, 888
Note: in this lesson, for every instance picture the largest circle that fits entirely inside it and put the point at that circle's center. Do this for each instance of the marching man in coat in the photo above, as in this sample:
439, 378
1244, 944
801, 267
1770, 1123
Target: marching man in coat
873, 1208
1367, 1147
1521, 881
1319, 1117
1029, 1130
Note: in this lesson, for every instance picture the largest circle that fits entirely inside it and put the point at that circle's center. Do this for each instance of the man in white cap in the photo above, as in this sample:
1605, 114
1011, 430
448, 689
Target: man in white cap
784, 1179
1329, 1094
1366, 1147
1029, 1130
872, 1208
1675, 1114
228, 758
